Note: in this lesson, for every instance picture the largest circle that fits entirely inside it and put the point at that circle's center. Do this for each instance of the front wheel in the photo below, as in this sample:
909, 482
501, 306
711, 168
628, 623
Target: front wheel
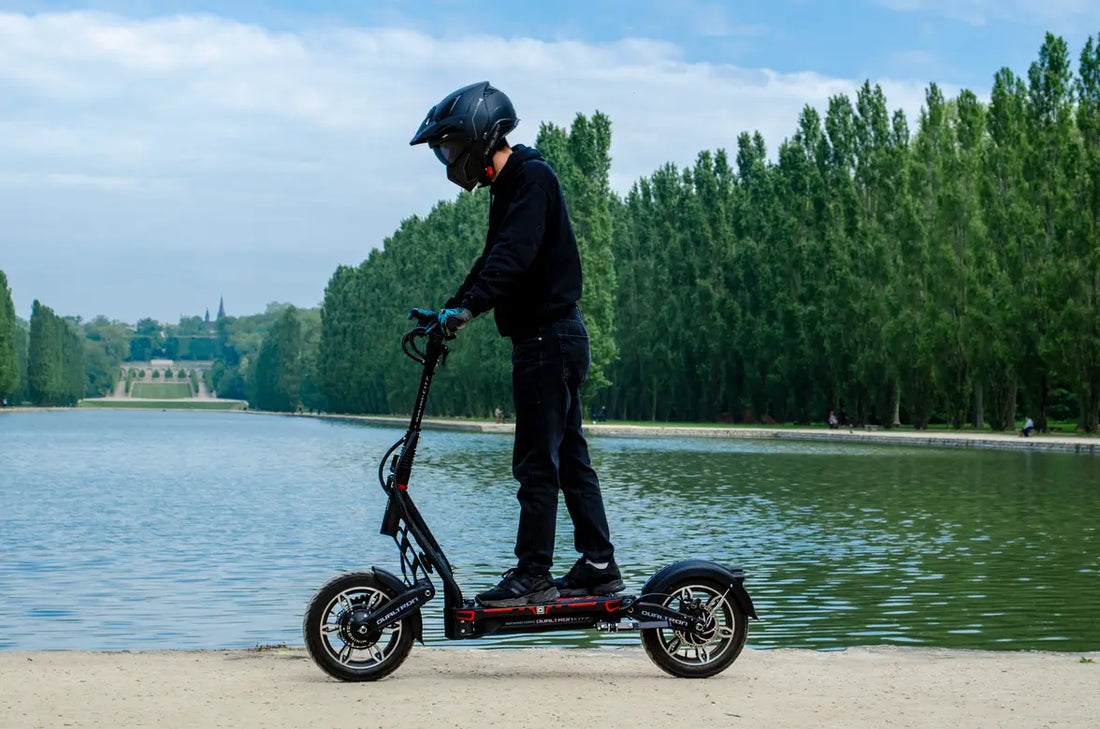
337, 635
706, 652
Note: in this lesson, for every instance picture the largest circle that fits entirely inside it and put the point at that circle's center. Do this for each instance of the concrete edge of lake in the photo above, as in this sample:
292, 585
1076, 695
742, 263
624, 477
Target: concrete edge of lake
549, 687
938, 438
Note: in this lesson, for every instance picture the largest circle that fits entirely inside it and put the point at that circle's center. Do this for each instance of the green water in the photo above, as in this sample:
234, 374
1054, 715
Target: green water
130, 530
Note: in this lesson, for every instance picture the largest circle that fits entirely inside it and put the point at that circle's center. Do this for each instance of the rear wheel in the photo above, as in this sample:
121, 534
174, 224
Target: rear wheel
723, 629
338, 637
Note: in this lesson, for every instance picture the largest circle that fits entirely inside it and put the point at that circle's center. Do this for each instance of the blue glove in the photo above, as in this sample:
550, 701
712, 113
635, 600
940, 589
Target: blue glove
424, 317
451, 320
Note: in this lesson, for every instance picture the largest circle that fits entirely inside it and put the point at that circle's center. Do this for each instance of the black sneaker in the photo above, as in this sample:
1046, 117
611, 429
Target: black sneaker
585, 579
520, 587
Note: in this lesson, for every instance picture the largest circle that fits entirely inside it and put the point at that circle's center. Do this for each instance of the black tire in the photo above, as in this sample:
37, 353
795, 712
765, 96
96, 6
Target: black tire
699, 655
333, 648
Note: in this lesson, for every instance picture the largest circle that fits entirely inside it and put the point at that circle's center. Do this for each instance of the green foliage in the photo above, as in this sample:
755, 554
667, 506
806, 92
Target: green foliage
9, 359
156, 374
141, 349
276, 375
148, 327
894, 278
55, 361
114, 337
22, 345
100, 370
581, 157
189, 325
194, 348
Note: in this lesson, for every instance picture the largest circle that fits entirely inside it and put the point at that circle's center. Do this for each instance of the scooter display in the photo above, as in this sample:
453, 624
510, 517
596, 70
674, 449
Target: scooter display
360, 626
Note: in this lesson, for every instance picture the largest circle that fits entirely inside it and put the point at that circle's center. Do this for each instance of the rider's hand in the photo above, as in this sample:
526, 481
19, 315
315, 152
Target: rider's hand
451, 320
425, 317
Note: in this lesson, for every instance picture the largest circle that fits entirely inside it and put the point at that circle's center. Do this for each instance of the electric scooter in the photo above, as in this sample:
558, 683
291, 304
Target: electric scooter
360, 626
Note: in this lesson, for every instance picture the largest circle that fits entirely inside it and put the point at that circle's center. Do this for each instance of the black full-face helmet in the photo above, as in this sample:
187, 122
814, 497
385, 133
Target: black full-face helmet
465, 129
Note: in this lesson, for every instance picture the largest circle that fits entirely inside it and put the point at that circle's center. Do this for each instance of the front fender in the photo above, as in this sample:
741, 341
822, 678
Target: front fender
698, 568
397, 585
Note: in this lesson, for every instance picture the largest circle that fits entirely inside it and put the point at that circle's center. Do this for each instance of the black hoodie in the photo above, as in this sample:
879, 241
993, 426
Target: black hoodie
530, 270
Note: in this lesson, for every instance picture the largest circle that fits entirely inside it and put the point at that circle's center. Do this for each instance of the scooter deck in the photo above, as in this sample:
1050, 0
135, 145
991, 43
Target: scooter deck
608, 603
475, 620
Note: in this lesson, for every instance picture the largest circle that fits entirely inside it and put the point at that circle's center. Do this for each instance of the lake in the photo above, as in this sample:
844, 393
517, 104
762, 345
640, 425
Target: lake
150, 530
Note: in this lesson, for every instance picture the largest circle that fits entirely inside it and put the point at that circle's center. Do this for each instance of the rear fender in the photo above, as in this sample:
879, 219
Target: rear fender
397, 585
697, 568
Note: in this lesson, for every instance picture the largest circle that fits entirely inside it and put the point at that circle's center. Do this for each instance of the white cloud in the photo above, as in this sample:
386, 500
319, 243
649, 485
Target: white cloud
271, 157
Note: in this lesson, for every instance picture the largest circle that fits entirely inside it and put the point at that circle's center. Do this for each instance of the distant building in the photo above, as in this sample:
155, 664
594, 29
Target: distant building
212, 325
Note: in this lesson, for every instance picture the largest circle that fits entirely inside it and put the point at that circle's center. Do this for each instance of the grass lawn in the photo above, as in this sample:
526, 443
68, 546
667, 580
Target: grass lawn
161, 390
165, 404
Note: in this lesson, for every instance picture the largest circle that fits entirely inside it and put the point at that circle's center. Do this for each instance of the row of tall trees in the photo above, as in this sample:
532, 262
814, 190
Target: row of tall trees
55, 359
283, 376
945, 271
949, 272
12, 340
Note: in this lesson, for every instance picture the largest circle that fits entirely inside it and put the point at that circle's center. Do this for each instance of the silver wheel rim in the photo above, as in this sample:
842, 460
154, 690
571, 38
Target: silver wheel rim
693, 650
347, 655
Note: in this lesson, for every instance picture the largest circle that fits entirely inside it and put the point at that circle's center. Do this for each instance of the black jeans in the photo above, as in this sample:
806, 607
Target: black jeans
548, 368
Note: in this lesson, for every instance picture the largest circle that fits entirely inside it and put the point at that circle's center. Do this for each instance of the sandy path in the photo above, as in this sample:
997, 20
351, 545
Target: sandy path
879, 687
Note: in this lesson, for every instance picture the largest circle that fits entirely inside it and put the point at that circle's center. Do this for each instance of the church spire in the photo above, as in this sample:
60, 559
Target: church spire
221, 307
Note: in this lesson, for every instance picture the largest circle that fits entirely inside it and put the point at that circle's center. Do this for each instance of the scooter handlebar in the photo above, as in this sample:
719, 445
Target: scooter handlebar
427, 325
424, 318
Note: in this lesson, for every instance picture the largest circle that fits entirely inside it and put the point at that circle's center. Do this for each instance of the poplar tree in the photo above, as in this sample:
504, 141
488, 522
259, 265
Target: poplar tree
9, 362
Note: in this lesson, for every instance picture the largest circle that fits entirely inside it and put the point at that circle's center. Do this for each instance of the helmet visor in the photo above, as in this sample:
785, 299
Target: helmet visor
448, 152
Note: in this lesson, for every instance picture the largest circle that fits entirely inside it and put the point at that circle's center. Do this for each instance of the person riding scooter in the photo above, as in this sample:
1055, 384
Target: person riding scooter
529, 274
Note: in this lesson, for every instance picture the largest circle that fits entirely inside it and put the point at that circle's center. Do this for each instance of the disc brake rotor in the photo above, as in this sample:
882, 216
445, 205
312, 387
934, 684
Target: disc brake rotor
354, 629
704, 620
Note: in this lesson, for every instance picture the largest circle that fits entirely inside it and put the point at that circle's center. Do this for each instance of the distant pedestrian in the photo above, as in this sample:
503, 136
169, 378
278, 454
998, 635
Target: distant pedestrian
498, 414
833, 422
1028, 427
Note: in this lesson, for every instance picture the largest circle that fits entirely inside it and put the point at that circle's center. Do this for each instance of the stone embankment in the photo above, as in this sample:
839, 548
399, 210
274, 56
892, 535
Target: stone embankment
935, 438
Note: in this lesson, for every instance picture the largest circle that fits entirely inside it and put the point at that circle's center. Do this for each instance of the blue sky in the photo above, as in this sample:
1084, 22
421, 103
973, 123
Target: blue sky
156, 155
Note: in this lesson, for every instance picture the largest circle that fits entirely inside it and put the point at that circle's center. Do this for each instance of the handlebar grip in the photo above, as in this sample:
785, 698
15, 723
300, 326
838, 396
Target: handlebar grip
423, 317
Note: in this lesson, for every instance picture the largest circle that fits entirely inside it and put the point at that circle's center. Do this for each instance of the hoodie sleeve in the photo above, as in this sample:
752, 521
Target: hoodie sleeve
456, 300
517, 244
